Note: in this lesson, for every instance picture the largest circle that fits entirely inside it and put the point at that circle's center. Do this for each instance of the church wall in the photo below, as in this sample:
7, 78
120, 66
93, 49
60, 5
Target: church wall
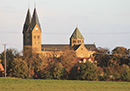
51, 53
83, 52
36, 39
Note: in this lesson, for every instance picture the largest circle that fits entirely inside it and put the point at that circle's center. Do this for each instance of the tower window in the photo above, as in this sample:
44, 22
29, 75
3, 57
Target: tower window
74, 41
79, 41
34, 37
38, 37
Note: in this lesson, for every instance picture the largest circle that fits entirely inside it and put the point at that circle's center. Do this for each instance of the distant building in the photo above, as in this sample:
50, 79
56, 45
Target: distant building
32, 39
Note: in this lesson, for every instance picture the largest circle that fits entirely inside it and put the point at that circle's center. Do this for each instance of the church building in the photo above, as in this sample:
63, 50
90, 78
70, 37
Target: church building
32, 39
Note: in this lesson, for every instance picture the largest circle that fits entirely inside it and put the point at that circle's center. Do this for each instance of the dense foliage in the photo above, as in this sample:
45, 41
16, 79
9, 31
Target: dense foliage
115, 66
19, 68
10, 55
111, 66
85, 71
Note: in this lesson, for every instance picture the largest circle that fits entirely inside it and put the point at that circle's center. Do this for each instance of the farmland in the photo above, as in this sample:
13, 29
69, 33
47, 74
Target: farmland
14, 84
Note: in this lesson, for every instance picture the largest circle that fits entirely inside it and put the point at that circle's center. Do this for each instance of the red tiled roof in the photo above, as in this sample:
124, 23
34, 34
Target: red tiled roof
1, 67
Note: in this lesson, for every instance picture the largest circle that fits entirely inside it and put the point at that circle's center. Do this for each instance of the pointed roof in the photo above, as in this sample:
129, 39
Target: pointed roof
28, 17
76, 34
27, 21
35, 20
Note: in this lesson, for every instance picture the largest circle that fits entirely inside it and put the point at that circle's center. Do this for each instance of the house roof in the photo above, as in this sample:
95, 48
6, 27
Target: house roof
1, 67
90, 47
27, 21
50, 47
76, 34
34, 20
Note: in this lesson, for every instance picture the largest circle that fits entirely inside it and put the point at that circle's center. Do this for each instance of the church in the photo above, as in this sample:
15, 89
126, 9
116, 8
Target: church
32, 39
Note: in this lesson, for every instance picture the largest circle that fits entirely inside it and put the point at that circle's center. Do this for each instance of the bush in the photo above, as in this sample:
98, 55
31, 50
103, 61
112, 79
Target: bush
88, 71
118, 73
74, 73
125, 74
53, 71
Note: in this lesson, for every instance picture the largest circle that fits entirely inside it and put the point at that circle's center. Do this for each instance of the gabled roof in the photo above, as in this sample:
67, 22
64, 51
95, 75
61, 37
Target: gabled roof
34, 20
27, 21
76, 34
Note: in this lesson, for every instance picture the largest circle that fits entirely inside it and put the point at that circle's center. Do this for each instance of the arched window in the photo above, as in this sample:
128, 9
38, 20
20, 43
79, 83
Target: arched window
38, 36
74, 41
34, 37
79, 41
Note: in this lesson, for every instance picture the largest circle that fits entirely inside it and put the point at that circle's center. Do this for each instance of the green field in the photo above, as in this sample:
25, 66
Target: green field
13, 84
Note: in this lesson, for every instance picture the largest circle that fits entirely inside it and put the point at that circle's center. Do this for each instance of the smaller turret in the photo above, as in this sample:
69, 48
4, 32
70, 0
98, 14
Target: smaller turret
76, 38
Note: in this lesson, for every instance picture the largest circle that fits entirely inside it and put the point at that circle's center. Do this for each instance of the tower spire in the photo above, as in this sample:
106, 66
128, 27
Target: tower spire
76, 34
34, 20
27, 21
76, 38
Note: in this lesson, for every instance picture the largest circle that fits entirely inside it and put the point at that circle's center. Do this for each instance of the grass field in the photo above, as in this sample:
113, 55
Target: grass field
13, 84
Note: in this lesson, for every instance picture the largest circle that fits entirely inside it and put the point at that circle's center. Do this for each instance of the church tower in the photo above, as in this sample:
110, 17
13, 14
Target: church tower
26, 33
76, 38
32, 32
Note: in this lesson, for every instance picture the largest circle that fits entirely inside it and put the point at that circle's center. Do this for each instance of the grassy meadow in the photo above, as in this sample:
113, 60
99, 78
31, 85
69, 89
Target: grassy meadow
14, 84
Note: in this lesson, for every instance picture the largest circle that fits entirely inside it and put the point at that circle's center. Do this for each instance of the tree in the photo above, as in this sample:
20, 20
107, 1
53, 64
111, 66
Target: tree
58, 64
59, 71
125, 73
128, 60
119, 56
53, 69
74, 73
33, 61
119, 51
102, 57
88, 71
19, 68
10, 55
67, 59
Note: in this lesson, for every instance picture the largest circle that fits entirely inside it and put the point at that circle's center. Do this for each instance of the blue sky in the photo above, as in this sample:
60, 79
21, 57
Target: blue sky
105, 22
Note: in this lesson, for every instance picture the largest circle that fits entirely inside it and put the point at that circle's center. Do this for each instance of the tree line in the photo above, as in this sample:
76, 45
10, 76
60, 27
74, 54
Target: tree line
111, 66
